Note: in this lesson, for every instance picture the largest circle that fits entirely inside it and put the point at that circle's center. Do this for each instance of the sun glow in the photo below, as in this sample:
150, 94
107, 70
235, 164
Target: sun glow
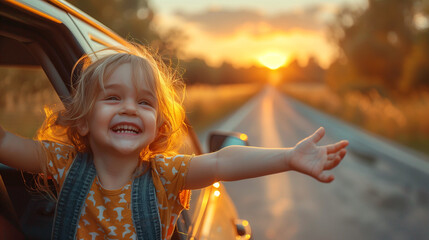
273, 60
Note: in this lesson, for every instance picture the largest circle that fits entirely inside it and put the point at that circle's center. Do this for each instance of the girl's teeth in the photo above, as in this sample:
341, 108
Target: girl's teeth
126, 129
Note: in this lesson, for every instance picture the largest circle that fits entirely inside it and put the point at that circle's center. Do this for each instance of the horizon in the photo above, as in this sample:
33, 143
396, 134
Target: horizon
242, 32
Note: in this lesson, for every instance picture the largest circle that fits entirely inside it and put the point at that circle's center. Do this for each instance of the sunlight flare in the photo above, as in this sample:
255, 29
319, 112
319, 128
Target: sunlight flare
273, 60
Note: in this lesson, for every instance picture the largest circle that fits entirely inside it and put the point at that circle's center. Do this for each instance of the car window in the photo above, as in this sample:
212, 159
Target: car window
97, 41
24, 91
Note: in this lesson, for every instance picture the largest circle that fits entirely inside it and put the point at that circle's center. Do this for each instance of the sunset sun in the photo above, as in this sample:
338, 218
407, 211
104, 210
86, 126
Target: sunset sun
273, 60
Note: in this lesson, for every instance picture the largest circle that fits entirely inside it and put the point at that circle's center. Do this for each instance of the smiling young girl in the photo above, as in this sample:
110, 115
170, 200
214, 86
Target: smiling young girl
112, 152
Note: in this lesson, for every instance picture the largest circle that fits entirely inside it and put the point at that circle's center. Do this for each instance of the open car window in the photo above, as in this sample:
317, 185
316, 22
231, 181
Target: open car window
24, 91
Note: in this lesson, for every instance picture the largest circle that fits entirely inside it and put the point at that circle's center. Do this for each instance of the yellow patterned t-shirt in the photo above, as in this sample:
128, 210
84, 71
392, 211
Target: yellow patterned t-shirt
106, 213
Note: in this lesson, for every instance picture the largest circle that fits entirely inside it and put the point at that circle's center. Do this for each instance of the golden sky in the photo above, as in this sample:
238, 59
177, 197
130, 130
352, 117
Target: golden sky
241, 32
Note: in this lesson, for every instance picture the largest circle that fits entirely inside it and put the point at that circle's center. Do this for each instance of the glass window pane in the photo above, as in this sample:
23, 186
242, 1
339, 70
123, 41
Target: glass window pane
24, 91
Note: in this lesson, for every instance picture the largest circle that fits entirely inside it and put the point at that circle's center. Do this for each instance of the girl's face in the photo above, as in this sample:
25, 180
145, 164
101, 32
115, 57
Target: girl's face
123, 118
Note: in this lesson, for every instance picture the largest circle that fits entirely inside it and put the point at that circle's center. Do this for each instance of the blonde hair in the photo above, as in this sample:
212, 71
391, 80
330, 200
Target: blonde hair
91, 71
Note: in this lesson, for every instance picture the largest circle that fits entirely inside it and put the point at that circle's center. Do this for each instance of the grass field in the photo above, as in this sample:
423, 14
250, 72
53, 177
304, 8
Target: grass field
401, 118
206, 104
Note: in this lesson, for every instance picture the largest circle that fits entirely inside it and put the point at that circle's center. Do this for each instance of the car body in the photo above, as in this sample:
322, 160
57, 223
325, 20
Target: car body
40, 41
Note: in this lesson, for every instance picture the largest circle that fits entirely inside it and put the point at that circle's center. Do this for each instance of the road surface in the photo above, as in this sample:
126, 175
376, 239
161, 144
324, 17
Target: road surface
381, 190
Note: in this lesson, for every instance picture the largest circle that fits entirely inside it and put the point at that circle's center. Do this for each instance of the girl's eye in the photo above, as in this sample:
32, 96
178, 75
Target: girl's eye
112, 98
144, 102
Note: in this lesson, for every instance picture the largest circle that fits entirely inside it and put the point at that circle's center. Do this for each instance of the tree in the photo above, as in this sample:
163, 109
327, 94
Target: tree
416, 67
375, 42
127, 18
133, 20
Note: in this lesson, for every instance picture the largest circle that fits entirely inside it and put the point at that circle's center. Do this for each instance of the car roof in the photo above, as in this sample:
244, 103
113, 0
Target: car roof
55, 32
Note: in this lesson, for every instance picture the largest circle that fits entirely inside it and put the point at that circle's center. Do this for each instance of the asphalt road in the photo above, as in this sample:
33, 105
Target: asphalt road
381, 190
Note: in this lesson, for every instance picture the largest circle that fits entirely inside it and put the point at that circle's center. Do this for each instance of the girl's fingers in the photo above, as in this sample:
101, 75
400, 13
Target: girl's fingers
332, 148
317, 135
326, 178
336, 153
342, 153
332, 162
332, 156
334, 159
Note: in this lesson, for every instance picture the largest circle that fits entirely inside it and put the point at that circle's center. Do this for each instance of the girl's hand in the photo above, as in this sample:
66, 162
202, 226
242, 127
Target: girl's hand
313, 160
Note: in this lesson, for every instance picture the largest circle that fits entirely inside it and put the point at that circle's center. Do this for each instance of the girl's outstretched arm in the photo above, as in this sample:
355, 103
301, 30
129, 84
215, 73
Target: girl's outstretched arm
20, 153
238, 162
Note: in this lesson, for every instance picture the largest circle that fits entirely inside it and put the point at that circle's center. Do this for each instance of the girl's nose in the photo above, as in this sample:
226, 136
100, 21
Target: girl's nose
129, 108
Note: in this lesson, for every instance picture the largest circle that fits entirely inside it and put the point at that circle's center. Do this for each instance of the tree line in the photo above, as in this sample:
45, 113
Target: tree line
381, 47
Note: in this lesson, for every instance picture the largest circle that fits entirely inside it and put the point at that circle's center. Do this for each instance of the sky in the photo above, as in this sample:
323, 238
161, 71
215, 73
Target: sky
242, 32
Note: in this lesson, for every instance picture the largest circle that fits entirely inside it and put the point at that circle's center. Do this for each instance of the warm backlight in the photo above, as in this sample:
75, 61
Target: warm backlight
217, 193
243, 137
273, 60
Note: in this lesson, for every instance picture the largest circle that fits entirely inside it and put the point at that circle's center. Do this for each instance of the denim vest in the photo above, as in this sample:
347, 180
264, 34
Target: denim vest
144, 204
